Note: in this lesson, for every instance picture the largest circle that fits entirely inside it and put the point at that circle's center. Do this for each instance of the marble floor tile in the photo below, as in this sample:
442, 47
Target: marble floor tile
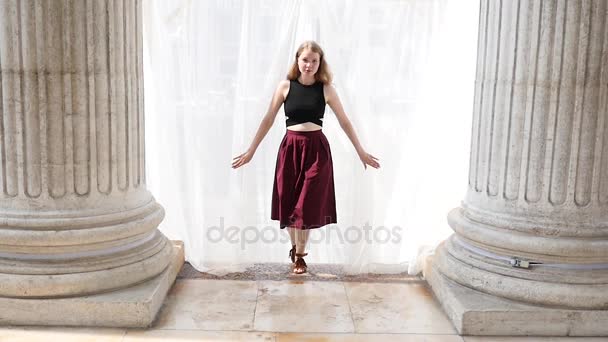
532, 339
302, 306
203, 304
196, 335
300, 337
396, 308
47, 334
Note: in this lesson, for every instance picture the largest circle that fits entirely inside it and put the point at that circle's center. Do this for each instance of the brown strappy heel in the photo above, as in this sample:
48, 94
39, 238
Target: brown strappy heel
292, 254
300, 266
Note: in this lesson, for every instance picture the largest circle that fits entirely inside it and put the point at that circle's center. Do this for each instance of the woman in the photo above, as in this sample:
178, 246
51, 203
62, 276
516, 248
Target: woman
303, 194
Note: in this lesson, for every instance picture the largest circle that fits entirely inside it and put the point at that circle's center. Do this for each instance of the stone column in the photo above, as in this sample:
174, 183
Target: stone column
75, 216
532, 232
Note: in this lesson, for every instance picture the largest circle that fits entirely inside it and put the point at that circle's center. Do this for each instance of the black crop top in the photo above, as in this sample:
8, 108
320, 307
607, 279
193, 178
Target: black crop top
304, 103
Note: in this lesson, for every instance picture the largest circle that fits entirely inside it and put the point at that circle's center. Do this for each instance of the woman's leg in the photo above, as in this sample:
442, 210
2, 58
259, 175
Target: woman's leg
292, 235
301, 240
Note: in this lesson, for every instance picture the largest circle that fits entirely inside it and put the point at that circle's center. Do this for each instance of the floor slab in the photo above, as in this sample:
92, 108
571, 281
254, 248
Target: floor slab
63, 334
209, 305
531, 339
196, 335
303, 306
396, 308
293, 337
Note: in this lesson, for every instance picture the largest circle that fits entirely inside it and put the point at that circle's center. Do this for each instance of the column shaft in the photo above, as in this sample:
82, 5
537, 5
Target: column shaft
75, 215
538, 182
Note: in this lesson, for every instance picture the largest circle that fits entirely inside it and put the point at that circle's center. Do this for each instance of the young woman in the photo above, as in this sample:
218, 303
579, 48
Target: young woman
303, 195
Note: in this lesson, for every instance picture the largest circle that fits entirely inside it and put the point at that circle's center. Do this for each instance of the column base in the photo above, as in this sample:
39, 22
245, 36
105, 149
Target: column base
476, 313
132, 307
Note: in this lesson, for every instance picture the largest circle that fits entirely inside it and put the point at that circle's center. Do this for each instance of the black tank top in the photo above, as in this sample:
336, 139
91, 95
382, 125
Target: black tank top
304, 103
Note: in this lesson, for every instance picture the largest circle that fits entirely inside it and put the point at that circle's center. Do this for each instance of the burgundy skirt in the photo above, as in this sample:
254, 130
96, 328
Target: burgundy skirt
303, 195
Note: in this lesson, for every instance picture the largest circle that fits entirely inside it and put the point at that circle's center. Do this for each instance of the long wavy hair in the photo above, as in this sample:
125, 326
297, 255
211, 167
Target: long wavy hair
323, 74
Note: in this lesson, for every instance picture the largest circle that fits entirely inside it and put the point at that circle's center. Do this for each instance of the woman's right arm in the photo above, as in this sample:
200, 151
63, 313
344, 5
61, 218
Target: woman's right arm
267, 121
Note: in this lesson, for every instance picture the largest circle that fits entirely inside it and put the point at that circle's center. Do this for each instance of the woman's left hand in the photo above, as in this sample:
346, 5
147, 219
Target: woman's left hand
370, 160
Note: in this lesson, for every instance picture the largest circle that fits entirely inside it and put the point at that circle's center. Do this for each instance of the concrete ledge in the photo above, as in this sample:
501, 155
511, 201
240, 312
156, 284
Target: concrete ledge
133, 307
476, 313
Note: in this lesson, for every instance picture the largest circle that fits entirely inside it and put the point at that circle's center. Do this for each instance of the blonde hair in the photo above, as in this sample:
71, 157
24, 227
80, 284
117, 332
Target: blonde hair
322, 75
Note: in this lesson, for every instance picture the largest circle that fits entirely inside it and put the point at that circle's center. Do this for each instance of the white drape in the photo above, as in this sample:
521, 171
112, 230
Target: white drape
404, 70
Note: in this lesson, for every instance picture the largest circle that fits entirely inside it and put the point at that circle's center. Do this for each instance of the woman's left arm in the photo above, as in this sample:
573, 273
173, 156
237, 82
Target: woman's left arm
336, 106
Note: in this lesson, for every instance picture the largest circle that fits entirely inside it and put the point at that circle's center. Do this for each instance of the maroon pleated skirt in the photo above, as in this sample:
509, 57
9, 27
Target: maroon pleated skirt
303, 194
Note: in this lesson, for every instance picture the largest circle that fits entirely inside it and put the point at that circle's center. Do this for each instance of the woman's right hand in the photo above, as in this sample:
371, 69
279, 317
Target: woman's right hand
242, 159
368, 159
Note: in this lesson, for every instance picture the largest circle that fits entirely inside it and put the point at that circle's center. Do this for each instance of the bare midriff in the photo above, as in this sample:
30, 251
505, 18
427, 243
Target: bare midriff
304, 127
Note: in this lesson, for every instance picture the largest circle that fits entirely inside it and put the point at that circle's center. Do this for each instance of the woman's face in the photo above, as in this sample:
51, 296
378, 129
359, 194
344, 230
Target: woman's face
309, 62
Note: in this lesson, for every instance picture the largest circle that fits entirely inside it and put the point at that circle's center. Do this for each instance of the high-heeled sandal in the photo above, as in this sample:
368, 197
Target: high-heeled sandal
292, 254
300, 266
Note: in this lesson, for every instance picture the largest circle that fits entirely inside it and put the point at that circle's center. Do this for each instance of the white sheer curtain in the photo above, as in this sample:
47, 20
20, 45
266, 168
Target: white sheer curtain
404, 70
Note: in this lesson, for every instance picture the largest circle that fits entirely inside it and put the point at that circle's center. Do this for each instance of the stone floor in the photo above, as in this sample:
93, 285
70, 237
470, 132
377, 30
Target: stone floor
266, 303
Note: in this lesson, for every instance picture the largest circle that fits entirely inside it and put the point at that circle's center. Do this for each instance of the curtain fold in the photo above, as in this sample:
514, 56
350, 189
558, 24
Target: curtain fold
404, 71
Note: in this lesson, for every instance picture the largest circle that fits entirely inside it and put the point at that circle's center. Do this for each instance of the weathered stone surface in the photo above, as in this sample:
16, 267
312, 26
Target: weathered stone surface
476, 313
75, 215
76, 218
132, 307
533, 228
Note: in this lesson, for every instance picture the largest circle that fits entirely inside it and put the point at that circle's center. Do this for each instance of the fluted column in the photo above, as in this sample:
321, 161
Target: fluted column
534, 224
75, 215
